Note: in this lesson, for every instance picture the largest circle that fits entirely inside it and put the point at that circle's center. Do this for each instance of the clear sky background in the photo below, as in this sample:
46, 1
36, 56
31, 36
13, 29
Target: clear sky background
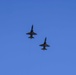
54, 19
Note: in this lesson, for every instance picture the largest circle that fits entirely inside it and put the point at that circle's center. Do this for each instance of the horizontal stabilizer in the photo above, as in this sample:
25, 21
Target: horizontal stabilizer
44, 49
30, 37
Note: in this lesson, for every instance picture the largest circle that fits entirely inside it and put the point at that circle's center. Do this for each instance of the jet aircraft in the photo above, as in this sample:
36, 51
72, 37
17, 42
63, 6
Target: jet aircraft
44, 45
31, 33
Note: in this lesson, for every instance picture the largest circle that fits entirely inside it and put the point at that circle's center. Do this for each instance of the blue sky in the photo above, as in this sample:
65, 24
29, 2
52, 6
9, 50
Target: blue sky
53, 19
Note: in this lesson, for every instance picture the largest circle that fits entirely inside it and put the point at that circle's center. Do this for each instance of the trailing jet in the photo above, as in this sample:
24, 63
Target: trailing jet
44, 45
31, 33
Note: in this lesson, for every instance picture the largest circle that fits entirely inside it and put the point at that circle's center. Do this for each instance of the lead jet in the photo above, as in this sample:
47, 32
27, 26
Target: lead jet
44, 45
31, 33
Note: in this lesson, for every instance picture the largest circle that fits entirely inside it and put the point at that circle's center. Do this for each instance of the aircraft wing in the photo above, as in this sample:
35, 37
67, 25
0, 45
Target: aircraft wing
34, 33
41, 45
47, 45
28, 33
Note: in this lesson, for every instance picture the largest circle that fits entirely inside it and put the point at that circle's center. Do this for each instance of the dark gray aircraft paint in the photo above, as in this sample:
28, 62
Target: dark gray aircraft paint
44, 45
31, 33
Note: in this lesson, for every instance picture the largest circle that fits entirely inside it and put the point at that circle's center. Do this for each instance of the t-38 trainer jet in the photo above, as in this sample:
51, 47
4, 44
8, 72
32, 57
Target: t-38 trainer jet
31, 33
44, 45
